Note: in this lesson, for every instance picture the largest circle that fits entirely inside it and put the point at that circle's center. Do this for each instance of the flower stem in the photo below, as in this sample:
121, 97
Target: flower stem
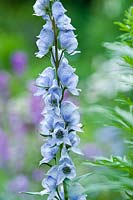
56, 48
65, 190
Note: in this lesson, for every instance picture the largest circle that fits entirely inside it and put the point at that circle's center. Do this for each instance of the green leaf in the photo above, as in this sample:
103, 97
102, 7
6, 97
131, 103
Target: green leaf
114, 162
43, 192
82, 177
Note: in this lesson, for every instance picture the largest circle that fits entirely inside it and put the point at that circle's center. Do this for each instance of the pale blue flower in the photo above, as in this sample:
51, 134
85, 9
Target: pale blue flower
67, 108
66, 169
57, 9
45, 81
68, 41
68, 78
54, 96
52, 100
40, 7
60, 136
49, 183
48, 151
71, 116
46, 39
47, 125
67, 37
75, 141
63, 22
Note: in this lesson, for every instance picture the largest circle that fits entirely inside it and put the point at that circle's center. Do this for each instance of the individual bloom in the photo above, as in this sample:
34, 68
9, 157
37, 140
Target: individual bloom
19, 62
48, 151
41, 7
19, 183
68, 41
68, 78
54, 96
63, 21
71, 116
75, 141
76, 192
57, 9
49, 183
60, 136
45, 41
45, 81
67, 108
47, 125
66, 167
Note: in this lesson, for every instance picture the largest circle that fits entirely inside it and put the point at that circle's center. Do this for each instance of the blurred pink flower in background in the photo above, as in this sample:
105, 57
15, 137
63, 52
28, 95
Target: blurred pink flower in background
18, 184
36, 104
4, 84
19, 62
37, 175
91, 150
110, 141
4, 148
17, 125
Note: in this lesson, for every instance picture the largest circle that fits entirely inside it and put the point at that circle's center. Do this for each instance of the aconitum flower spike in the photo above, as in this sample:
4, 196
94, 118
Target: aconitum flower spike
61, 119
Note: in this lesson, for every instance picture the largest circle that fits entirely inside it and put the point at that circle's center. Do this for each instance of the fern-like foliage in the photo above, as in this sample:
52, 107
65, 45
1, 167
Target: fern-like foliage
119, 170
127, 27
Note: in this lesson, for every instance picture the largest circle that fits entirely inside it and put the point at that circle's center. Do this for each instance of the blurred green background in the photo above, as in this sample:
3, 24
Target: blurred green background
20, 110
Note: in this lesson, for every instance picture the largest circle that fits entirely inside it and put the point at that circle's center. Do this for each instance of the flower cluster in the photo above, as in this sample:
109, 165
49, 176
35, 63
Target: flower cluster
61, 118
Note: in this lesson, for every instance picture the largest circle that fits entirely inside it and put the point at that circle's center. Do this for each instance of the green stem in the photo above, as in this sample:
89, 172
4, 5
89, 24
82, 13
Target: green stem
58, 194
56, 48
57, 62
65, 190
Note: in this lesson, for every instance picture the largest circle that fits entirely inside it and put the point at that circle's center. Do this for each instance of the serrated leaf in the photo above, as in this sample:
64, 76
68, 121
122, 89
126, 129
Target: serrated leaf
114, 161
